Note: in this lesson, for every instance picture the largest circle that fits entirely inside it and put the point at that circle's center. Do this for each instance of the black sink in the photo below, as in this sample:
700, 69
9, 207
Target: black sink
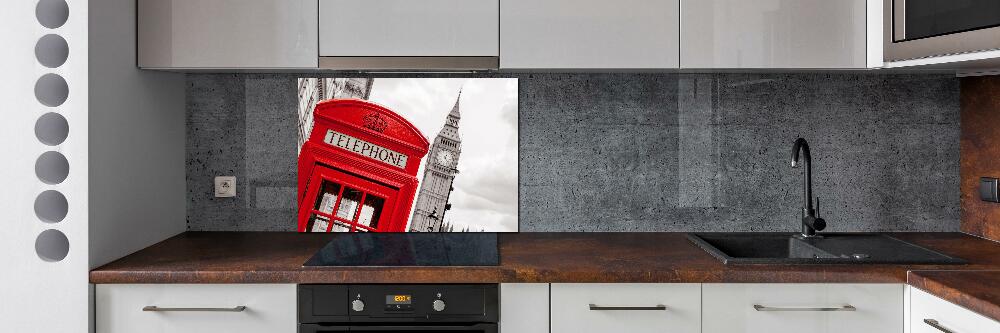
786, 248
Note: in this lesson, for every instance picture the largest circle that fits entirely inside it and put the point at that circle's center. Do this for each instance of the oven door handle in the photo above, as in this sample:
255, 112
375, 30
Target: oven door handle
314, 328
481, 327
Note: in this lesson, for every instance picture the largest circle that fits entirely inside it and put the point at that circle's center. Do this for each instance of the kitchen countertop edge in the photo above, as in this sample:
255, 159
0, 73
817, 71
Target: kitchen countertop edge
968, 289
273, 258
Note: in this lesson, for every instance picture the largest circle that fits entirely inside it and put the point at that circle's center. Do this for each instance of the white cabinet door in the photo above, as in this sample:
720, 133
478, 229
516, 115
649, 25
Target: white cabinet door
524, 308
777, 308
227, 33
409, 28
626, 307
927, 310
269, 308
589, 34
773, 34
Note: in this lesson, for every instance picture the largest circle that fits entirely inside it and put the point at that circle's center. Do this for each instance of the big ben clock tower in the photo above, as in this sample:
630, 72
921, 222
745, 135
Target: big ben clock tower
439, 173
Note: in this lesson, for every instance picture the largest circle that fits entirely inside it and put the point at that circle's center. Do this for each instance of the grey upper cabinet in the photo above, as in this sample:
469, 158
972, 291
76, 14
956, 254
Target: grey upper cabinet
508, 34
398, 34
192, 34
773, 34
585, 34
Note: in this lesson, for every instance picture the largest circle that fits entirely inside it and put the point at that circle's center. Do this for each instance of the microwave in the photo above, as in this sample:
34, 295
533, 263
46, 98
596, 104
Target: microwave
915, 29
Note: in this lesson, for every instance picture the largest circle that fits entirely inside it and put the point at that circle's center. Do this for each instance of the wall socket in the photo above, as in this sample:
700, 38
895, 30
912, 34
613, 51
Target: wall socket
225, 186
988, 189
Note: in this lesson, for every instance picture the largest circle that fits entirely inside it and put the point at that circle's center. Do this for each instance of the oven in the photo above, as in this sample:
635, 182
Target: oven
383, 308
916, 29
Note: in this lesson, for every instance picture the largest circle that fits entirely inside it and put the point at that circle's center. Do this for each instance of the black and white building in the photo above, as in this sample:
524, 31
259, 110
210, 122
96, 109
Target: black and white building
314, 90
440, 169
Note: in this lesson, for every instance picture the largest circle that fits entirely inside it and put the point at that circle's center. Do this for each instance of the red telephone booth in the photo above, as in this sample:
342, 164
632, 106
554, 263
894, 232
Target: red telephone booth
358, 169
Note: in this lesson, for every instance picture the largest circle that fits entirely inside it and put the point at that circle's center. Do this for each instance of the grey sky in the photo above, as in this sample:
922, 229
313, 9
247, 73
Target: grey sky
485, 195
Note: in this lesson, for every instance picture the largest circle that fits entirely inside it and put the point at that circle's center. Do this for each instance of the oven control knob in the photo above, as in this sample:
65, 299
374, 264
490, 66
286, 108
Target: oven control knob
438, 305
358, 305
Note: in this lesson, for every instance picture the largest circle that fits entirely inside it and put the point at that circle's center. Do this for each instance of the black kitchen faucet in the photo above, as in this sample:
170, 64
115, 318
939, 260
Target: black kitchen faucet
810, 221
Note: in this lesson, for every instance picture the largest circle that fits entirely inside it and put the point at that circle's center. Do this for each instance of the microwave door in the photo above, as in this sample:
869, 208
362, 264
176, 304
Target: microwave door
916, 19
916, 29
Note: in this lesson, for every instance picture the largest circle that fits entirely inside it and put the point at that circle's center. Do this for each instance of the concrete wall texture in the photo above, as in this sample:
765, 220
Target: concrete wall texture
640, 152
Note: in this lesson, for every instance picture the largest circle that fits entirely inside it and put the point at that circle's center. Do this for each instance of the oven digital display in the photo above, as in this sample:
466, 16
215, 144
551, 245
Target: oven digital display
398, 299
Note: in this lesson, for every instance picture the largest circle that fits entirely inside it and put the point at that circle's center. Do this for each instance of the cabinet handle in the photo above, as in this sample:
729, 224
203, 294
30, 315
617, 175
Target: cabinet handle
159, 309
935, 324
848, 307
594, 307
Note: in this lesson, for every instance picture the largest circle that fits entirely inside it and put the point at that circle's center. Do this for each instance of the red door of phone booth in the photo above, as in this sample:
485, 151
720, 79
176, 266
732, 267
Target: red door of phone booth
346, 203
357, 170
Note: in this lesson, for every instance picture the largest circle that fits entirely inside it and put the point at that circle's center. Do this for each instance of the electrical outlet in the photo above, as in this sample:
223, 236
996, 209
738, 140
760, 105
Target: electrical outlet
988, 189
225, 187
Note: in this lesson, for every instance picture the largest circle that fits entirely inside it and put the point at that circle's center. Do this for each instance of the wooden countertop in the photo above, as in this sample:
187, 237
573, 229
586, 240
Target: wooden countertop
978, 291
275, 257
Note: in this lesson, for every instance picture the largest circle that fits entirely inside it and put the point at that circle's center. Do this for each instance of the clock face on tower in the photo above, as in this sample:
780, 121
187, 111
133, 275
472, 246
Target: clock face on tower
444, 157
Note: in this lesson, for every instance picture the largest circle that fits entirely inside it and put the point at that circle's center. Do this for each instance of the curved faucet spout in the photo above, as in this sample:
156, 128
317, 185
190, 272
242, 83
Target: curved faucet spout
807, 188
810, 222
800, 144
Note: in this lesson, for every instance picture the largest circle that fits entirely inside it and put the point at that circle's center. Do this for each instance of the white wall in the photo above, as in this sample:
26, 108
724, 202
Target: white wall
137, 187
125, 149
38, 295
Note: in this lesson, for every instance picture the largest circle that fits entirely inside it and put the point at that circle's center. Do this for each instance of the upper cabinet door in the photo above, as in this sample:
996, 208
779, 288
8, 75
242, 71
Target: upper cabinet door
227, 33
773, 34
571, 34
409, 28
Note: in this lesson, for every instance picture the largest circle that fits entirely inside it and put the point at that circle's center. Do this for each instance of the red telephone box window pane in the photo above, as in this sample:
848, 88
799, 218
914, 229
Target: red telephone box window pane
328, 197
349, 203
339, 226
318, 223
345, 201
371, 211
325, 204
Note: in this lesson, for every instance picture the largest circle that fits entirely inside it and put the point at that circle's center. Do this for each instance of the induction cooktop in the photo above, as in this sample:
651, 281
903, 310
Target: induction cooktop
408, 249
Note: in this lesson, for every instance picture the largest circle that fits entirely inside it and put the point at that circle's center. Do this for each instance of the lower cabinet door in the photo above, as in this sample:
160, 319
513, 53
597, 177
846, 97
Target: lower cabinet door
195, 308
815, 308
930, 314
524, 308
626, 307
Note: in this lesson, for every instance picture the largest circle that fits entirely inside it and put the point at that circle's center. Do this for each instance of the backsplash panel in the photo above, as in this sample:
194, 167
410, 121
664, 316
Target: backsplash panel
244, 127
640, 152
980, 144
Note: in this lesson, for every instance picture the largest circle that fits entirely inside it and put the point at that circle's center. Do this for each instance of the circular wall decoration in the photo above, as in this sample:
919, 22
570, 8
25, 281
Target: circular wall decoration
52, 13
51, 90
51, 129
52, 245
51, 51
51, 206
52, 167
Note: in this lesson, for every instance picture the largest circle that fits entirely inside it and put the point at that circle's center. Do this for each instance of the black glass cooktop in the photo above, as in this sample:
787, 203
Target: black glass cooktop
408, 249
